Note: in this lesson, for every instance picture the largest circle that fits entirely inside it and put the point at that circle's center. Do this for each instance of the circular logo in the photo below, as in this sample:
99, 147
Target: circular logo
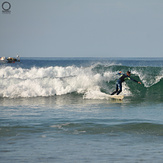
6, 6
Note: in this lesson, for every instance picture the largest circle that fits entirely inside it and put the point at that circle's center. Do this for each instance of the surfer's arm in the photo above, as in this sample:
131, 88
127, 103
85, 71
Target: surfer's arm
135, 80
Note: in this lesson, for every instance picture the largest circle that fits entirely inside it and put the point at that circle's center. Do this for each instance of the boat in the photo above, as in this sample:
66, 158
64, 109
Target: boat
13, 60
10, 59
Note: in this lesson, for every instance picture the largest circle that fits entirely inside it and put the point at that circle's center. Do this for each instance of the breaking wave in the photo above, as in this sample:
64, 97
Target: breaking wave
93, 82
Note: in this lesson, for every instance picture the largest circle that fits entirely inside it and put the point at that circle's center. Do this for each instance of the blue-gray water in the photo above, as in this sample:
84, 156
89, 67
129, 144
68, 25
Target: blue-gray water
55, 110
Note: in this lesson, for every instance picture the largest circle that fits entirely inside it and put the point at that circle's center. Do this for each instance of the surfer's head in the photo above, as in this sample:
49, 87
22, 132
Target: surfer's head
128, 73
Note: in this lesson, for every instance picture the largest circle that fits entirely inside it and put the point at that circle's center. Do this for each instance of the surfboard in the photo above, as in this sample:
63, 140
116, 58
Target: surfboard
118, 97
100, 95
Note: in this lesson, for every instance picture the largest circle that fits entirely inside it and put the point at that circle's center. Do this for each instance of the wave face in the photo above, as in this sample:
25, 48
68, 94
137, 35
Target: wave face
92, 82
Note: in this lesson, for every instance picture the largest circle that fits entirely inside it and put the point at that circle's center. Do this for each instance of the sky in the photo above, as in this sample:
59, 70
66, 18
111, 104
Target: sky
82, 28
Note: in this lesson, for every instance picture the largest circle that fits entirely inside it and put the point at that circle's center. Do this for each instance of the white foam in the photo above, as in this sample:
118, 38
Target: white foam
95, 94
50, 81
19, 82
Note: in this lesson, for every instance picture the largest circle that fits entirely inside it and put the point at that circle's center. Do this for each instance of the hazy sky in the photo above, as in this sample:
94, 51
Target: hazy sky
82, 28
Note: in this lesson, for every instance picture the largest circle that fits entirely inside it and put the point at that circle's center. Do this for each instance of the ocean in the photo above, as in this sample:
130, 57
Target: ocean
57, 110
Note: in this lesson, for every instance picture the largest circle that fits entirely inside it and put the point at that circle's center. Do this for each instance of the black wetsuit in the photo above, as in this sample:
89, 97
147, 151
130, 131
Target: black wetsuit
119, 83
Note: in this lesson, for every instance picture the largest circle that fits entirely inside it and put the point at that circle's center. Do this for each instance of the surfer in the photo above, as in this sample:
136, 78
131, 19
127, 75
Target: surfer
122, 79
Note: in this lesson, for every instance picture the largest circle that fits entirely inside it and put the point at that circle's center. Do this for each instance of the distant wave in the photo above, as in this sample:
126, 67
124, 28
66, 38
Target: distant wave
135, 128
91, 128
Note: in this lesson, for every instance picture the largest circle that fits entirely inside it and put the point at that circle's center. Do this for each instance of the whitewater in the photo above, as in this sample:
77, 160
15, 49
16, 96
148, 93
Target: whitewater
58, 110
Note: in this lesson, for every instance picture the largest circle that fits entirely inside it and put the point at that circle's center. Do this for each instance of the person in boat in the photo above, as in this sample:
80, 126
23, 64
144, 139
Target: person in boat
13, 60
121, 80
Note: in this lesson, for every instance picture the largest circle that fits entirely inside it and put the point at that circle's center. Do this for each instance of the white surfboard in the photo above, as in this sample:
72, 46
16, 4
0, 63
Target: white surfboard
100, 95
118, 97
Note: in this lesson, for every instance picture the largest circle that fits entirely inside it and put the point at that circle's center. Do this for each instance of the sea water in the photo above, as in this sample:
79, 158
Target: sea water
55, 110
